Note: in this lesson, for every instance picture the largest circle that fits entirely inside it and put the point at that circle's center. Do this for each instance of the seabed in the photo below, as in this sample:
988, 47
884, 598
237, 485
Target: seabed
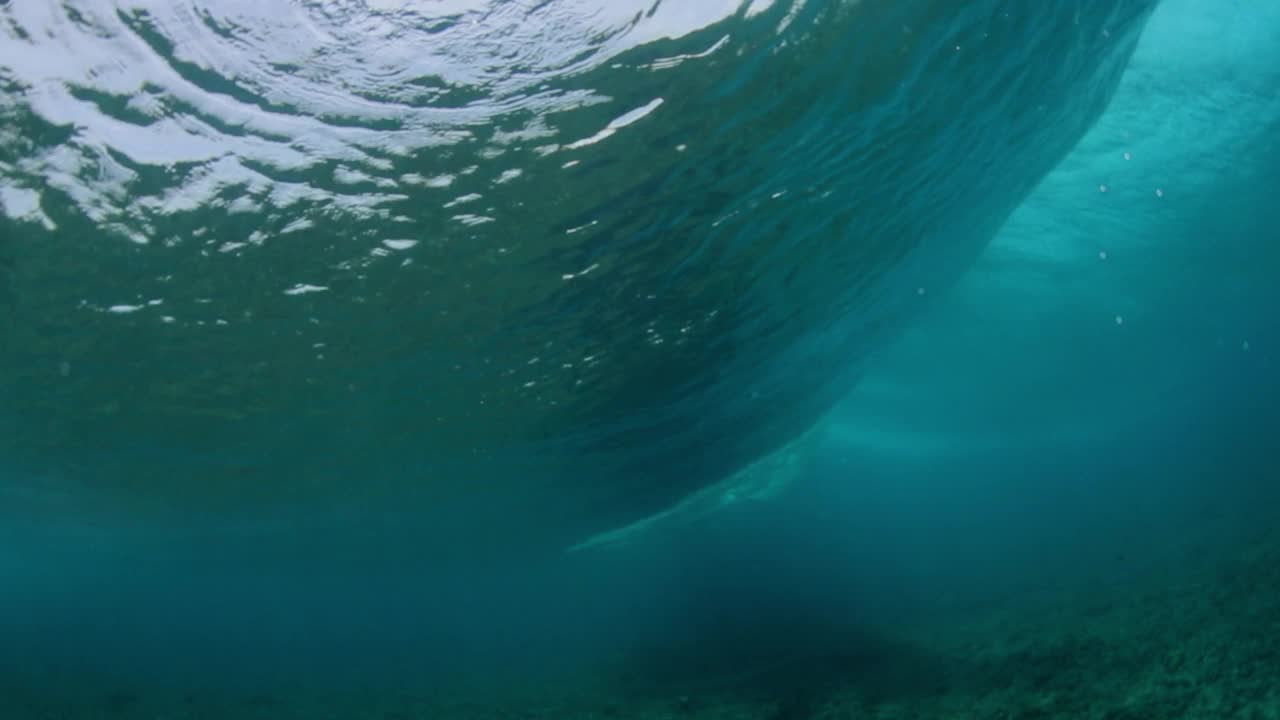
1200, 641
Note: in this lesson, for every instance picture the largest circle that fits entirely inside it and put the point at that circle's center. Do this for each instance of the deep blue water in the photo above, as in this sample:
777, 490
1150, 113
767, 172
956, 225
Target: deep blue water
330, 328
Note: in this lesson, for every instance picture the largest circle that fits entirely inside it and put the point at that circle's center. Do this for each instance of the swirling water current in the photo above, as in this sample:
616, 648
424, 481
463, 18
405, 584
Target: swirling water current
475, 261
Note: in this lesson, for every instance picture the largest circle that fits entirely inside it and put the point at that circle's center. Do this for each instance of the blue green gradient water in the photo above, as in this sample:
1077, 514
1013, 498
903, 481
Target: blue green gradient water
329, 326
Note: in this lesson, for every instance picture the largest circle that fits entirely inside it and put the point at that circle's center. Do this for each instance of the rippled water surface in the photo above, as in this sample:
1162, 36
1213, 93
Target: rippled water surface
493, 253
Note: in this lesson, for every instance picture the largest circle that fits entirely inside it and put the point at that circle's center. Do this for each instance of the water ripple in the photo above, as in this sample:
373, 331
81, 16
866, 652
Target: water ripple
618, 249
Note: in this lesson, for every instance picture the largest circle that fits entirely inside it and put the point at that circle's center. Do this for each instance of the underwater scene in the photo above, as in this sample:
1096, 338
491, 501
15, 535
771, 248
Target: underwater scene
639, 359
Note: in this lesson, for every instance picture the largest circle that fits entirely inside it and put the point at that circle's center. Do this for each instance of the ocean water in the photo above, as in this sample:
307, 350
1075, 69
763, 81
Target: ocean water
790, 359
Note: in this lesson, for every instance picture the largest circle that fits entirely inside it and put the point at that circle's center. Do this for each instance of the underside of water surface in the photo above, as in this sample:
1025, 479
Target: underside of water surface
570, 260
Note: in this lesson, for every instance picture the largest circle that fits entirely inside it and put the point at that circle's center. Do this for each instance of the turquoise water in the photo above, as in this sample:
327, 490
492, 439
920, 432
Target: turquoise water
679, 355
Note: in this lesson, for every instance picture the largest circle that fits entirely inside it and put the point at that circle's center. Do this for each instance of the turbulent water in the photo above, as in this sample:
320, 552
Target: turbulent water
569, 260
326, 325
